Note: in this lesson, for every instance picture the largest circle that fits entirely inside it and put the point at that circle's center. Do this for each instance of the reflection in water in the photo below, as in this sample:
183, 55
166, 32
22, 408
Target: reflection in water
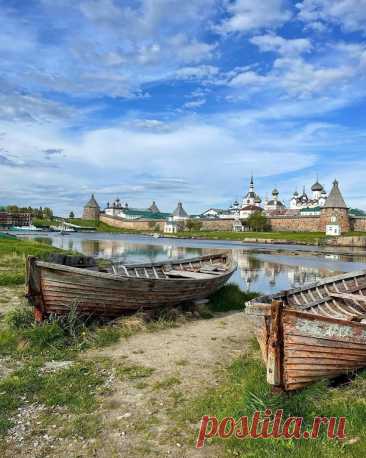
257, 271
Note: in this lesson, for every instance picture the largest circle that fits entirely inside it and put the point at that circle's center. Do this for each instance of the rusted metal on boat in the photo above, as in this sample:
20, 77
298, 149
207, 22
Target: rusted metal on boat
314, 332
54, 288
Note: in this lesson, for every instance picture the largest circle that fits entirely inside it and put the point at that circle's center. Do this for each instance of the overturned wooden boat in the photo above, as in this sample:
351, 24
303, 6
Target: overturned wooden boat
54, 287
313, 332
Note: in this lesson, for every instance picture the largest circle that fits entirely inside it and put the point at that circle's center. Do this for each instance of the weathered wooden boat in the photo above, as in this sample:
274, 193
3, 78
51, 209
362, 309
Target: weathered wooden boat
54, 287
313, 332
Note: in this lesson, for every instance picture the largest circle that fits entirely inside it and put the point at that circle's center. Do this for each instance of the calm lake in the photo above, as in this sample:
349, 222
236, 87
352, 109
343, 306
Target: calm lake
262, 268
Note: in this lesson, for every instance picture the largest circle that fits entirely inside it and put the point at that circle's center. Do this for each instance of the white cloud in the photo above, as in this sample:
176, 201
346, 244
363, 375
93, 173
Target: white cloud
101, 47
248, 15
276, 43
334, 72
197, 72
349, 14
248, 78
194, 103
146, 155
302, 78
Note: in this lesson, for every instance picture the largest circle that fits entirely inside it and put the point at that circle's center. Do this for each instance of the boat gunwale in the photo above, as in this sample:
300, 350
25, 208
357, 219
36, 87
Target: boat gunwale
123, 277
315, 317
169, 262
266, 299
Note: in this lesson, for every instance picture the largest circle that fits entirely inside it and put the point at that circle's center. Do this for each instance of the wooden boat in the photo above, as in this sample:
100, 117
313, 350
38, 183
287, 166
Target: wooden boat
313, 332
53, 287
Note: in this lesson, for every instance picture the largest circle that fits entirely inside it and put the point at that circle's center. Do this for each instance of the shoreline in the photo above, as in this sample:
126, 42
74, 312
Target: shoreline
292, 247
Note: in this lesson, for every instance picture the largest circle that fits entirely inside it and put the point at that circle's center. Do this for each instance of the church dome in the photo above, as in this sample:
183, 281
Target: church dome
317, 187
275, 192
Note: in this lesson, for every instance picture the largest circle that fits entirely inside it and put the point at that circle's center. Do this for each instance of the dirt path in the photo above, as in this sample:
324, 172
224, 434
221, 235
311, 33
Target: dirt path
139, 416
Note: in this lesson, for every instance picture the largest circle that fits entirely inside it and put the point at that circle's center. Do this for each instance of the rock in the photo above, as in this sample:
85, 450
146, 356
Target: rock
57, 365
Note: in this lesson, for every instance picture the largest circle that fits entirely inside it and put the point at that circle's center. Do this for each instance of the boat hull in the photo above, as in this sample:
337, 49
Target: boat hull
312, 333
54, 288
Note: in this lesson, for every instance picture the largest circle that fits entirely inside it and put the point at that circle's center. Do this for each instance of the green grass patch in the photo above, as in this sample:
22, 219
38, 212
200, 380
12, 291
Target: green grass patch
308, 237
133, 372
86, 426
74, 388
230, 297
167, 383
244, 390
13, 253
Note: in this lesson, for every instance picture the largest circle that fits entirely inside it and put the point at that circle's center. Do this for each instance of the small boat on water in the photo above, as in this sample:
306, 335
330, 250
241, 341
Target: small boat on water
66, 281
314, 332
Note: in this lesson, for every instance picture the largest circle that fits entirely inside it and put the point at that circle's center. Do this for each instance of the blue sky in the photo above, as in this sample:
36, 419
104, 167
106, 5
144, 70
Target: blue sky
171, 100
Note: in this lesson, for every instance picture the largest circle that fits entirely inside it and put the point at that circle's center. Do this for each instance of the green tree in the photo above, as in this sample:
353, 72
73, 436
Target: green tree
47, 213
194, 225
258, 222
71, 215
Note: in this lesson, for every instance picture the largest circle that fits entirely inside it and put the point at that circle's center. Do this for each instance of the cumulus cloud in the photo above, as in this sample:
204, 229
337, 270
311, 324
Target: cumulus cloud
276, 43
247, 15
349, 14
150, 161
105, 96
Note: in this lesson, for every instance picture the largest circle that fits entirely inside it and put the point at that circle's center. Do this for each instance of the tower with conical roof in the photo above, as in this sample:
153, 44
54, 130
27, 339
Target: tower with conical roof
91, 209
179, 213
154, 208
335, 211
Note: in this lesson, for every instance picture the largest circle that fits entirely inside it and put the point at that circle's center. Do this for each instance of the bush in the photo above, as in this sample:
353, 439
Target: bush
258, 222
230, 297
194, 225
45, 335
19, 318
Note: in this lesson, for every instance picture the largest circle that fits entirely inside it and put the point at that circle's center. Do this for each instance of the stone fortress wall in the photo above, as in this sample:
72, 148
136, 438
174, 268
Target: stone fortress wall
277, 224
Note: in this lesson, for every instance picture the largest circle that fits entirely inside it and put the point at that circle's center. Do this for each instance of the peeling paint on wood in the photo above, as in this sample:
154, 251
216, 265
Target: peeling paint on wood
322, 333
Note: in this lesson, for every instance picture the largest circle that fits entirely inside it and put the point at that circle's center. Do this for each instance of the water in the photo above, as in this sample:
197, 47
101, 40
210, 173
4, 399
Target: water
262, 268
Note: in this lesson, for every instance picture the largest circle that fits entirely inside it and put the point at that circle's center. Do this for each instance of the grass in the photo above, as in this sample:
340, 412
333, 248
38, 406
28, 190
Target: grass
133, 372
86, 426
244, 390
307, 237
167, 383
13, 253
74, 388
230, 297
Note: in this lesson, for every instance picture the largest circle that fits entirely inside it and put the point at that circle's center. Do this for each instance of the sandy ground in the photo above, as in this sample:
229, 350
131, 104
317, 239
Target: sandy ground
142, 422
139, 416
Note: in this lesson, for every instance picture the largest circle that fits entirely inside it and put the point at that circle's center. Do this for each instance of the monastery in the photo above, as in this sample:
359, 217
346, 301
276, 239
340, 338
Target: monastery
316, 212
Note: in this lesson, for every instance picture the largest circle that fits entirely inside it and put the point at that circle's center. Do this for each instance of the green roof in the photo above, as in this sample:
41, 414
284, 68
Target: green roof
145, 213
310, 210
356, 212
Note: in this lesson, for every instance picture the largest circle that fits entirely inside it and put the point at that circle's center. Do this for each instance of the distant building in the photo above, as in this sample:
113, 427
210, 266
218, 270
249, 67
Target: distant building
91, 209
251, 197
154, 208
318, 198
274, 203
8, 220
334, 217
179, 214
172, 226
117, 209
250, 203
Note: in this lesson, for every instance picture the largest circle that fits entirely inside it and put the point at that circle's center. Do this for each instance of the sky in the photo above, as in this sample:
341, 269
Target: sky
171, 100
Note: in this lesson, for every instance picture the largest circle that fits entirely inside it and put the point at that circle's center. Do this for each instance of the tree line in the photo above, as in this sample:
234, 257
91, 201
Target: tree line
40, 213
